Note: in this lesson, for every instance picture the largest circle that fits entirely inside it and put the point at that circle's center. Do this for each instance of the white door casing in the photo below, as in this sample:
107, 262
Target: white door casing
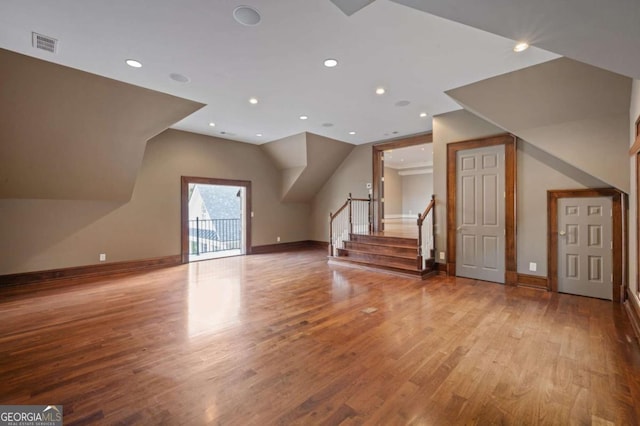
480, 213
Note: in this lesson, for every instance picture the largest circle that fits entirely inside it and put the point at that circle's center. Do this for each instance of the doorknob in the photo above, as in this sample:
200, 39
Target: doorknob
459, 228
562, 233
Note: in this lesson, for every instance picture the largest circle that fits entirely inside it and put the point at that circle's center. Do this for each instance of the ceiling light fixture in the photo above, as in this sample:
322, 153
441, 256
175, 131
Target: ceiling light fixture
423, 114
303, 117
133, 63
253, 101
259, 134
330, 63
380, 91
212, 124
352, 133
521, 47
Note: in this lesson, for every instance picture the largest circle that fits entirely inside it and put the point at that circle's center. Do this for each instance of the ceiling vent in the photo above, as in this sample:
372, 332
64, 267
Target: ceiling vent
44, 42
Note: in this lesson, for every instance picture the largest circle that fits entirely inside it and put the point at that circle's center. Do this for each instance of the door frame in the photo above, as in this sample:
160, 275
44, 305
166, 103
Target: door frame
616, 231
184, 209
378, 170
509, 142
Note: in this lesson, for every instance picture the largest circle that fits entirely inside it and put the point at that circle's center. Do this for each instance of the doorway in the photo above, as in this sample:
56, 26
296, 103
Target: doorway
480, 195
215, 218
508, 273
585, 249
381, 154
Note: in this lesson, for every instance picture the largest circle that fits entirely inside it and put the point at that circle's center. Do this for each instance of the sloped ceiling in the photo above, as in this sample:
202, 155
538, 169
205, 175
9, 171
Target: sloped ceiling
601, 33
306, 162
577, 112
70, 135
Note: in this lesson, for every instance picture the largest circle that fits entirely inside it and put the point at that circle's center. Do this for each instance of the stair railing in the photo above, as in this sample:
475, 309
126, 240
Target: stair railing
426, 234
353, 217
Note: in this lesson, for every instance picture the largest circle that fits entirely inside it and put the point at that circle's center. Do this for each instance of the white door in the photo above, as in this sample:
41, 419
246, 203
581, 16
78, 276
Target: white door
480, 211
585, 247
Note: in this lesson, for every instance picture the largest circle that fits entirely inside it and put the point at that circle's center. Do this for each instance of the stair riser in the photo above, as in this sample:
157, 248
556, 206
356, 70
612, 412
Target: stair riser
378, 239
379, 249
375, 259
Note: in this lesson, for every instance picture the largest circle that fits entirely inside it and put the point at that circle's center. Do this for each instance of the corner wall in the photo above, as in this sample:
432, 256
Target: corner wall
352, 175
634, 112
537, 172
49, 234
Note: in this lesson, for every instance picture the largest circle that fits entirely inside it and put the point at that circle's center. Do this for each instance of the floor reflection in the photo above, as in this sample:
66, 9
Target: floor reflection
215, 295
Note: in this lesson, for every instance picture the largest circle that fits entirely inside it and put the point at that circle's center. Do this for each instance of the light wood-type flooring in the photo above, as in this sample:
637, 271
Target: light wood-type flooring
283, 339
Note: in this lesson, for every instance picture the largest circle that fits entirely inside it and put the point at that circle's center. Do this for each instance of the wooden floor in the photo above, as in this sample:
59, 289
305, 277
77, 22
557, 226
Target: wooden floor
252, 341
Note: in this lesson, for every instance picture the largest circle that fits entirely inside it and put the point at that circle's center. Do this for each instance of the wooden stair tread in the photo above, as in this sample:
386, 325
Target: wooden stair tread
378, 259
382, 245
381, 239
372, 253
346, 261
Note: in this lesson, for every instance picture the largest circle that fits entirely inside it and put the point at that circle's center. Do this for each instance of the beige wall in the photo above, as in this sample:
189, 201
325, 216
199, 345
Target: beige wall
537, 173
351, 176
47, 234
634, 112
451, 127
393, 195
416, 193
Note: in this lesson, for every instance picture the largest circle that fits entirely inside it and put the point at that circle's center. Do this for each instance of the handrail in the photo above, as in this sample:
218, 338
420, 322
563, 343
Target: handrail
346, 203
430, 207
421, 218
345, 225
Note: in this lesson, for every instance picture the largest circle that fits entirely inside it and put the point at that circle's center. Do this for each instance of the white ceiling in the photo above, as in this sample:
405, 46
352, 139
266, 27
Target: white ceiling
410, 157
414, 55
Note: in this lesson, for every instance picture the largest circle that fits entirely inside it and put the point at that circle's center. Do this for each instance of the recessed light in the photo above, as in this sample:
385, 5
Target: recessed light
133, 63
303, 117
380, 91
259, 134
423, 114
253, 101
246, 15
330, 63
521, 47
212, 124
352, 133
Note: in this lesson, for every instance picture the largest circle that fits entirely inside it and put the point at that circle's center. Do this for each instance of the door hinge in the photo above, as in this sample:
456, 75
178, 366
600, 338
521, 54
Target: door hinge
382, 178
611, 245
612, 278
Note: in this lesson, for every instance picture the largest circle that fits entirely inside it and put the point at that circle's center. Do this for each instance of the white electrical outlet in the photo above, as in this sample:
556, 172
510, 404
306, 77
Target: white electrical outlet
441, 255
278, 239
533, 266
102, 257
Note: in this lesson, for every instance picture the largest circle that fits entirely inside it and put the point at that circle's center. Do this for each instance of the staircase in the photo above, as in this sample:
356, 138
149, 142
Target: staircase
395, 254
353, 242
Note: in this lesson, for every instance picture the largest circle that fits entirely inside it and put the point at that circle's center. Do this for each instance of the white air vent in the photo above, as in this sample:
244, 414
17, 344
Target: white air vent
44, 42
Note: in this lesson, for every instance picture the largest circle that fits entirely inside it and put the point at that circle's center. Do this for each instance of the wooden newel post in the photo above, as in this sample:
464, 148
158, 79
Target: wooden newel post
432, 255
419, 258
350, 216
370, 212
330, 234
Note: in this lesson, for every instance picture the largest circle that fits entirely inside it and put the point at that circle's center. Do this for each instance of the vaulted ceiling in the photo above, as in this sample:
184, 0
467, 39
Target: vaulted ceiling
414, 56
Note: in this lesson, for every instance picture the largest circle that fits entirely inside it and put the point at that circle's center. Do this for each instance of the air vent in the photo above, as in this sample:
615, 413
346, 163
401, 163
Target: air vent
44, 42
